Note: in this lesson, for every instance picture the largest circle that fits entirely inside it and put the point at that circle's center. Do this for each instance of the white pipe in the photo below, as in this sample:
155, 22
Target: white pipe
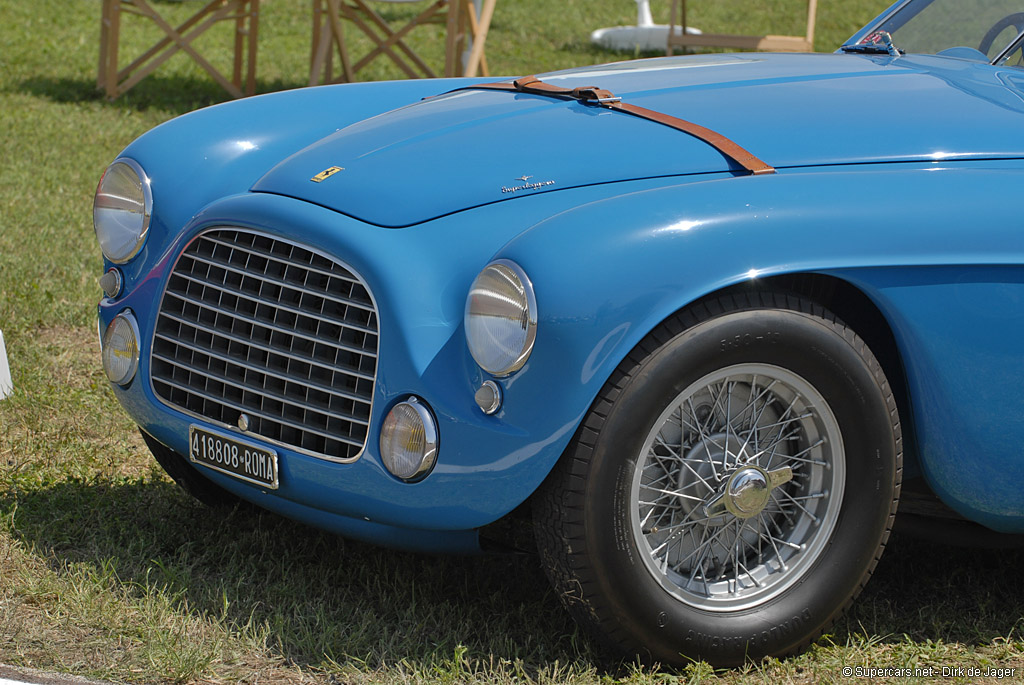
646, 36
6, 386
643, 13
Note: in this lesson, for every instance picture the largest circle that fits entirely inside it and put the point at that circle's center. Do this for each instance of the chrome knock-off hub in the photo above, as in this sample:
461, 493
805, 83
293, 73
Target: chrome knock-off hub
747, 492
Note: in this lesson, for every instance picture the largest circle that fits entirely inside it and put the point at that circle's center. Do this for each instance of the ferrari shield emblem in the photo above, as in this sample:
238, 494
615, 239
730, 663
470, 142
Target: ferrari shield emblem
326, 173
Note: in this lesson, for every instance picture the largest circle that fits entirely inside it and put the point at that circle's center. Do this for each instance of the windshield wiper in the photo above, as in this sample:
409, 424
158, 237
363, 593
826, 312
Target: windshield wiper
866, 49
880, 44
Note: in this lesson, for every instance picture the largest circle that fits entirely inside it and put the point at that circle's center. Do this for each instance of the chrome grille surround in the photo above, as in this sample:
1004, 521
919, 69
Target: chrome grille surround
258, 325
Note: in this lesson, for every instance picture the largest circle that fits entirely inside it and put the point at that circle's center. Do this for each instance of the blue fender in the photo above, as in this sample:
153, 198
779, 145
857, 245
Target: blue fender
608, 272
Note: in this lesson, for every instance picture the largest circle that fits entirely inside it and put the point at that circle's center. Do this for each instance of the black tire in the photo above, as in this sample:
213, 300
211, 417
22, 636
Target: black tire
188, 478
627, 527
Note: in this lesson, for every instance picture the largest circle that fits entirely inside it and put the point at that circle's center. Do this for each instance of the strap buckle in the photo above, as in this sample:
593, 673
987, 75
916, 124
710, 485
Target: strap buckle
598, 96
591, 95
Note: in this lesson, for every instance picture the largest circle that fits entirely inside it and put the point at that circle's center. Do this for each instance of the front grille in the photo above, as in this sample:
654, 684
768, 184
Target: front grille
256, 325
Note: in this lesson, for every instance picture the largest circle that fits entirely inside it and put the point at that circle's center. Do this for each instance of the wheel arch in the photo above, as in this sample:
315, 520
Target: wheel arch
844, 299
851, 305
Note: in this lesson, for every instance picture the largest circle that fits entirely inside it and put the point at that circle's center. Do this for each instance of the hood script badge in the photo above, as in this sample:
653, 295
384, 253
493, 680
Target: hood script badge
326, 174
526, 185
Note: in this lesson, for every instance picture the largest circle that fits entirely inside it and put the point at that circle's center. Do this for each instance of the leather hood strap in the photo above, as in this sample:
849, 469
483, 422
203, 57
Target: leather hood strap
603, 98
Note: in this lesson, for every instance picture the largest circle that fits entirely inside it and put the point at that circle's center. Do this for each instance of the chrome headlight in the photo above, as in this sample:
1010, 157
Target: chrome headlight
501, 318
121, 210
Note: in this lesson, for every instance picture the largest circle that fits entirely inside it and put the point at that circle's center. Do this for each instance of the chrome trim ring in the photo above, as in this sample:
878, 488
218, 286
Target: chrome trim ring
430, 438
488, 397
147, 204
128, 316
112, 282
531, 320
738, 487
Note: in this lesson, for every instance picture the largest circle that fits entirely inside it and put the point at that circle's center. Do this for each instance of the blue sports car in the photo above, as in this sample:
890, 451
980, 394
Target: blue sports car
700, 317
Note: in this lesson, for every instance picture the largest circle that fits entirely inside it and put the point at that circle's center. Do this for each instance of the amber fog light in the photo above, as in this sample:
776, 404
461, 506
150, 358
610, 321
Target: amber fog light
121, 349
408, 440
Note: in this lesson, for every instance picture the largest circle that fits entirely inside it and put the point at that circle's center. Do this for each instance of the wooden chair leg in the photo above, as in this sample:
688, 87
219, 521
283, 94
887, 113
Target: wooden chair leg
479, 28
461, 21
236, 71
672, 26
812, 16
320, 43
254, 34
387, 38
246, 27
118, 81
101, 71
217, 11
110, 30
452, 53
338, 31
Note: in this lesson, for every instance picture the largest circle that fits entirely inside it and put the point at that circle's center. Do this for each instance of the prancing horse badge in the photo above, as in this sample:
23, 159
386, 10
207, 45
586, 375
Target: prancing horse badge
326, 174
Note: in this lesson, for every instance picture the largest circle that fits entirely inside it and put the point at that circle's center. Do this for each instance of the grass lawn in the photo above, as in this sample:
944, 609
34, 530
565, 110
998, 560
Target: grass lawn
107, 570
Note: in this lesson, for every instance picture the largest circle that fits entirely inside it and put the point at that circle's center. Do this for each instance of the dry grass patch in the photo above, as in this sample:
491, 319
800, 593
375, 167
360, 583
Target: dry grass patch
82, 618
62, 419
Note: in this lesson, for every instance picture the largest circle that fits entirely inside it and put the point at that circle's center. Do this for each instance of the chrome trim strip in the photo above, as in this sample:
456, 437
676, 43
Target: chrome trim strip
1004, 55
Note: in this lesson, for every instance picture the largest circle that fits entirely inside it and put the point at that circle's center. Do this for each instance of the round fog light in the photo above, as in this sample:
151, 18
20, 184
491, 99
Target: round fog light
121, 349
408, 440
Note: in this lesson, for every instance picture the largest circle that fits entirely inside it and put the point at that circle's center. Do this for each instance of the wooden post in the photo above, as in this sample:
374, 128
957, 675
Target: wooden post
110, 29
453, 42
480, 26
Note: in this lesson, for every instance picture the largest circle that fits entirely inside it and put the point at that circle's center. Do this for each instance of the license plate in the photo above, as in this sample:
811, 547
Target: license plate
234, 457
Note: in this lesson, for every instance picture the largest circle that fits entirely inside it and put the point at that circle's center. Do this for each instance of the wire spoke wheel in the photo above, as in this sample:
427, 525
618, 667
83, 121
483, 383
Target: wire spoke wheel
738, 486
731, 488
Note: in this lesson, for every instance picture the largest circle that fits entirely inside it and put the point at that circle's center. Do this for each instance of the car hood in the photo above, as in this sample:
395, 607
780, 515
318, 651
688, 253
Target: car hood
475, 147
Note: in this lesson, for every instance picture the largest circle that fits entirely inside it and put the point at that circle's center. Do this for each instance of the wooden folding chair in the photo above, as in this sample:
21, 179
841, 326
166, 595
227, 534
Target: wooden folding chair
803, 43
245, 14
459, 16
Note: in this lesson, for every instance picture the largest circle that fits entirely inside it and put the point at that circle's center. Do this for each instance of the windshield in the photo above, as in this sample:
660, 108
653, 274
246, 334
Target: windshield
983, 30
